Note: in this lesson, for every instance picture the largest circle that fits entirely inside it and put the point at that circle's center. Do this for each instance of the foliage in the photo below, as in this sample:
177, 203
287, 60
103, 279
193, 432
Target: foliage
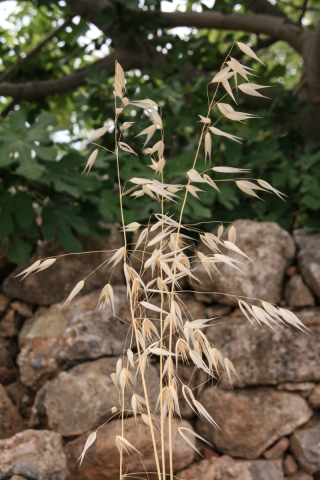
42, 192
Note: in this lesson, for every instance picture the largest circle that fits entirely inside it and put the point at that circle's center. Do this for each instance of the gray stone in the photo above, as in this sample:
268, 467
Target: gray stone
264, 469
269, 246
55, 284
102, 458
82, 398
297, 294
309, 258
305, 447
54, 339
222, 468
300, 476
263, 356
250, 420
33, 454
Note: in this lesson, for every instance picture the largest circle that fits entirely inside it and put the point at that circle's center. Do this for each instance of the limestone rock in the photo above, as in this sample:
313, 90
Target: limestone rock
269, 246
10, 421
278, 449
305, 448
102, 458
250, 420
264, 469
309, 258
9, 324
55, 284
81, 399
33, 454
297, 294
8, 352
303, 388
263, 356
314, 397
54, 339
222, 468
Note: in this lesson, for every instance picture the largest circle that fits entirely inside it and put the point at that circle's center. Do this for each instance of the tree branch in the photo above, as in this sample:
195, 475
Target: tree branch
16, 66
275, 27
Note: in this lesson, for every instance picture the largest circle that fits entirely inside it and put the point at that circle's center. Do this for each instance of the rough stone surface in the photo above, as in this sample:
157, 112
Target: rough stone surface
10, 421
289, 465
33, 454
101, 461
8, 352
54, 339
309, 258
314, 397
218, 311
304, 388
300, 476
305, 448
21, 396
297, 294
4, 302
278, 449
9, 324
264, 412
222, 468
22, 308
263, 356
55, 284
82, 398
269, 246
264, 469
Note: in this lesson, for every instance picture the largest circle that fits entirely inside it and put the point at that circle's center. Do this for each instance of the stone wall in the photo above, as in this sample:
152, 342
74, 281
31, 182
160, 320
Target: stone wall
55, 365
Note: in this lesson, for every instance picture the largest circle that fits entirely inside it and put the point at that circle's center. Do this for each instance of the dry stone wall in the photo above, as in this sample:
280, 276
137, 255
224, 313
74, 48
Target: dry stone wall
55, 366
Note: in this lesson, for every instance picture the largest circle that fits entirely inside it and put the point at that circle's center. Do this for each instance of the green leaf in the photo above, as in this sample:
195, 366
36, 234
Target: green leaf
18, 251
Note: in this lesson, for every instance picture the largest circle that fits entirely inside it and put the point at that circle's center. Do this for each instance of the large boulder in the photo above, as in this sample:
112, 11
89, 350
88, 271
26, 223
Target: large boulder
82, 398
55, 339
250, 420
102, 459
309, 258
305, 447
221, 468
55, 284
263, 356
33, 454
269, 246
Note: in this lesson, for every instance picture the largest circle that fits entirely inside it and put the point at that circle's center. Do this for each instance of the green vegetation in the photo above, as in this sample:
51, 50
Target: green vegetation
45, 126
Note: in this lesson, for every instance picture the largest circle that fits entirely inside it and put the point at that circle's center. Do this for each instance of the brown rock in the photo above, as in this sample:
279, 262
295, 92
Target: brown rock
102, 458
263, 356
10, 421
264, 469
55, 284
17, 477
223, 468
269, 246
293, 270
278, 449
33, 454
81, 399
304, 388
9, 326
54, 339
314, 397
218, 311
22, 308
305, 448
8, 352
300, 476
21, 396
289, 465
297, 294
264, 412
309, 258
4, 302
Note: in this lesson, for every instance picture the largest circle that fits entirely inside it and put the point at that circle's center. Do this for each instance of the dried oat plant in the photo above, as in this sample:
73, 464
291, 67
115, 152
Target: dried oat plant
161, 325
